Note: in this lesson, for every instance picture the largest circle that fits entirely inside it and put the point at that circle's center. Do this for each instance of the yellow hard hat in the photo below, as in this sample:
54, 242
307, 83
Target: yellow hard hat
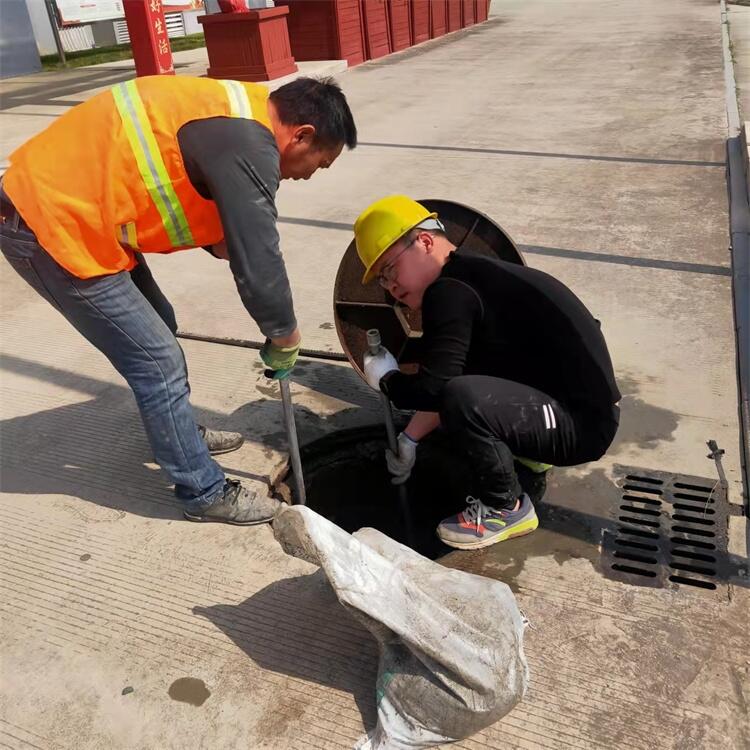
382, 224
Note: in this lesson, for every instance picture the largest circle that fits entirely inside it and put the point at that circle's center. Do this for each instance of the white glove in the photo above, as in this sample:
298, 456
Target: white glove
377, 365
402, 464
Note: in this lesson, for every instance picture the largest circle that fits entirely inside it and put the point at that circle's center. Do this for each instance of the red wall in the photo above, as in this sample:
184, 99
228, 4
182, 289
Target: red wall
375, 14
420, 21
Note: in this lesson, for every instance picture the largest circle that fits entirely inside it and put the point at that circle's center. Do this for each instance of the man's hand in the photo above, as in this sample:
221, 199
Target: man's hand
377, 366
400, 465
281, 353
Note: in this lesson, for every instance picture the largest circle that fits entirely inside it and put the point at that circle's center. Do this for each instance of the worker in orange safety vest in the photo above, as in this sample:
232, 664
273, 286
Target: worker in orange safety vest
155, 165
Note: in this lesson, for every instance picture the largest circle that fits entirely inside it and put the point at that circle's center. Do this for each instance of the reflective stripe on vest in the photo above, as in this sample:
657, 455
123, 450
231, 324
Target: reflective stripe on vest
239, 102
150, 163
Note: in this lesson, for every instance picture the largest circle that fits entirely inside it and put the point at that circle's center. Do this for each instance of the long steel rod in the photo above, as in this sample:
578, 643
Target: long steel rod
374, 344
403, 495
291, 434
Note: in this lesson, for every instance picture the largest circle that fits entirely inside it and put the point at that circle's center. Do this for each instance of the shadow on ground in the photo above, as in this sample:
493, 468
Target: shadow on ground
297, 627
97, 449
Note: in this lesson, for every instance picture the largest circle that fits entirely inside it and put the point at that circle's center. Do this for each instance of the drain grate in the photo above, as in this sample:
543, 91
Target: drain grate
668, 530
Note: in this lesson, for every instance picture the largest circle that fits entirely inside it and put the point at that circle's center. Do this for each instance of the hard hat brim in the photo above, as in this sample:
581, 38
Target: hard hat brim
369, 274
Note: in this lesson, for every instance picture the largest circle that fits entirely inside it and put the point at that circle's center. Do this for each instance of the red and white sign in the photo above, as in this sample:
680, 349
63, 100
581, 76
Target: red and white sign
148, 37
88, 11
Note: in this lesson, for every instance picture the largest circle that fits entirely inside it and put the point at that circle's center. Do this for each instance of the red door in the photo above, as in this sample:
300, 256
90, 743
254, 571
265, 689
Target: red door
467, 13
454, 15
420, 21
351, 38
398, 17
438, 18
481, 10
375, 16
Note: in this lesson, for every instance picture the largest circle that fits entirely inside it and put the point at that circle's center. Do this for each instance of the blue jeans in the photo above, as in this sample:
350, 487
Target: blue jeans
126, 316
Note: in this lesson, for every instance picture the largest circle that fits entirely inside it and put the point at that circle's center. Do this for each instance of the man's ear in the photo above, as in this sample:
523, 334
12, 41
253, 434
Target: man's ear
304, 134
428, 241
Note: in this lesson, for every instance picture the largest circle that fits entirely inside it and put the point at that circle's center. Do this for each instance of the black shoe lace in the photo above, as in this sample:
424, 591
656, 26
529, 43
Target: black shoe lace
232, 490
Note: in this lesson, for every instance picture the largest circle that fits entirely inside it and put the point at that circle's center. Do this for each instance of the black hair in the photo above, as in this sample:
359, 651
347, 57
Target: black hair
317, 102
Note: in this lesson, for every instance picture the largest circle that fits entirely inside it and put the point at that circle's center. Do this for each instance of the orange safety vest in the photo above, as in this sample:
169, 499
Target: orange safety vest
107, 178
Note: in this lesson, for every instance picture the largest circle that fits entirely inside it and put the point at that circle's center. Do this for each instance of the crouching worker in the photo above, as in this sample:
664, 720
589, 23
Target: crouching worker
511, 363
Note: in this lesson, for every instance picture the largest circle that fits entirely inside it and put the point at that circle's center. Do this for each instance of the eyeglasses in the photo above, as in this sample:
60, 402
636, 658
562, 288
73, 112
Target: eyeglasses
388, 273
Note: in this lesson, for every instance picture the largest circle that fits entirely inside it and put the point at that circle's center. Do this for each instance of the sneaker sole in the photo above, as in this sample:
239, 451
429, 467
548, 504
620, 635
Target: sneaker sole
521, 530
203, 519
226, 450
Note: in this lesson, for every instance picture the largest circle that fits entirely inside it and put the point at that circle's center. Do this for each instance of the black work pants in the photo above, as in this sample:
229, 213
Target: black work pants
492, 420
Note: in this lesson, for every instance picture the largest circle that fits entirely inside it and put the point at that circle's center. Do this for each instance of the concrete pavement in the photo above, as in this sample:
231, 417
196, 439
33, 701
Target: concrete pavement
593, 132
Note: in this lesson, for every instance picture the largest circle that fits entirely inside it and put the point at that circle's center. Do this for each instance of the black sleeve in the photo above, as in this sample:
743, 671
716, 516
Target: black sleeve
450, 310
235, 163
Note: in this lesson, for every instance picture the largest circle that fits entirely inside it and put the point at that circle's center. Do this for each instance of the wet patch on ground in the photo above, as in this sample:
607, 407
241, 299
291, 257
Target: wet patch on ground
189, 690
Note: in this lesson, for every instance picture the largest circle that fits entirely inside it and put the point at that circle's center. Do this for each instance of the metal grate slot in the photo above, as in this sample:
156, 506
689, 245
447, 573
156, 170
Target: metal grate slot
668, 530
696, 487
703, 499
640, 521
693, 519
693, 568
638, 532
694, 556
688, 530
694, 508
642, 511
694, 543
693, 582
636, 558
636, 499
649, 490
636, 545
647, 480
634, 571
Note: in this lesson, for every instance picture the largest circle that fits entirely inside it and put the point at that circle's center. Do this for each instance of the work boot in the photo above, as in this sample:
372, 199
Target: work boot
237, 505
220, 442
479, 526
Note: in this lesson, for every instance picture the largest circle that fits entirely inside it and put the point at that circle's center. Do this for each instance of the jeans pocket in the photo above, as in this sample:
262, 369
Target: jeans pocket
25, 269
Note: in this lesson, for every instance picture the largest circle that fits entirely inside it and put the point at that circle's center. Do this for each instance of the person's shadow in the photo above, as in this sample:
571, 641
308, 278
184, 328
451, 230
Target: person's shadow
97, 449
297, 627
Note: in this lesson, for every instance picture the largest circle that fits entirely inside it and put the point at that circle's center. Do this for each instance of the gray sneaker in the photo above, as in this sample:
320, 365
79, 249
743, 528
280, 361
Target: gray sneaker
237, 505
219, 442
479, 525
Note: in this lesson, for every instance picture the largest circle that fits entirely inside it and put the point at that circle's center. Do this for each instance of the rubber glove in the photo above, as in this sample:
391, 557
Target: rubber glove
279, 357
400, 466
378, 365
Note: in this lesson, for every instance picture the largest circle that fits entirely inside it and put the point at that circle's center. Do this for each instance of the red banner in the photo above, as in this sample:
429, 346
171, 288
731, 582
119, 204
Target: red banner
148, 37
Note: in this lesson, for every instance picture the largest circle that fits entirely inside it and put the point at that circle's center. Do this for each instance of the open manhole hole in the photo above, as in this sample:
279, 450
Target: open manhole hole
669, 529
347, 482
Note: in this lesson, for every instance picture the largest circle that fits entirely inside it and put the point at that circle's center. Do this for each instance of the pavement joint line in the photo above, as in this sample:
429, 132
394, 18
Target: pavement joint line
559, 252
547, 154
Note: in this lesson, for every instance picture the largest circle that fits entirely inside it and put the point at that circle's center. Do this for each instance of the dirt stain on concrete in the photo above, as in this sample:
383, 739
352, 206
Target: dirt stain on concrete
189, 690
326, 326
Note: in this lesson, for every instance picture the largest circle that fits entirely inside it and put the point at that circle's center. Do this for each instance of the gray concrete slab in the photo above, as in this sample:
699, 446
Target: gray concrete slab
601, 128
